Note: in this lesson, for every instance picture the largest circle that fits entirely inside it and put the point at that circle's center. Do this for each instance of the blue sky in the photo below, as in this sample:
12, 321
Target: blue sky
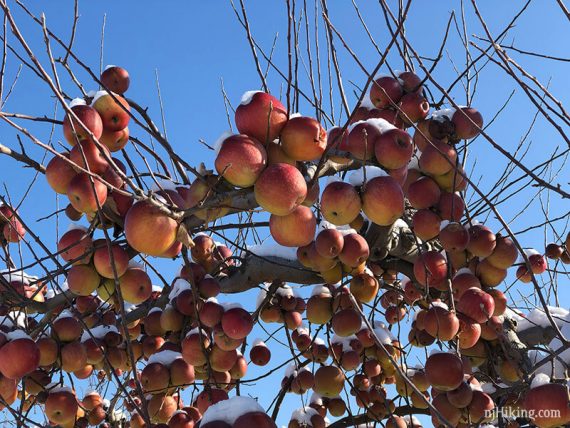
194, 46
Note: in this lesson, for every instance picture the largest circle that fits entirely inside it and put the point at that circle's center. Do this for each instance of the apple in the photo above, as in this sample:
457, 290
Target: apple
83, 279
329, 381
454, 237
114, 115
303, 139
361, 140
115, 79
237, 323
383, 200
254, 419
451, 206
444, 371
355, 250
410, 81
59, 173
476, 304
482, 241
393, 149
73, 131
103, 260
241, 160
437, 158
413, 108
275, 154
386, 91
548, 405
149, 230
73, 357
426, 224
329, 243
295, 229
319, 309
61, 407
441, 323
468, 123
260, 354
430, 268
88, 155
155, 378
340, 203
86, 194
261, 116
448, 411
115, 140
136, 286
280, 189
346, 322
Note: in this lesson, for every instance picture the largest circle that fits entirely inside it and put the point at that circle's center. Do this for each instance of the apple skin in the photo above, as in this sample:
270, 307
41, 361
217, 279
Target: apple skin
303, 139
237, 323
18, 358
83, 279
413, 108
423, 193
115, 140
61, 407
59, 173
241, 160
437, 158
355, 250
262, 118
476, 304
254, 419
280, 189
74, 244
136, 285
103, 261
393, 149
340, 203
88, 156
426, 224
148, 230
361, 140
115, 116
86, 196
295, 229
464, 127
90, 118
329, 243
444, 371
386, 91
410, 81
329, 381
116, 79
430, 268
383, 200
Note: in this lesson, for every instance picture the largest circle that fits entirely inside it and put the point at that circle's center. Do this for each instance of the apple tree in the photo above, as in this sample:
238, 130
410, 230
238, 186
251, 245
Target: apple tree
386, 281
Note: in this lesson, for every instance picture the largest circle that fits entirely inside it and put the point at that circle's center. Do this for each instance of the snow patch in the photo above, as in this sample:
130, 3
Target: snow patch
164, 357
271, 249
229, 410
356, 178
77, 102
247, 97
220, 141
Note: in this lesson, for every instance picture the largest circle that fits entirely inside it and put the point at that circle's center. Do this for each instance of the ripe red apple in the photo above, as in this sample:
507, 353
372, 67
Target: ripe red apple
280, 189
548, 404
136, 286
87, 155
261, 116
413, 108
468, 122
83, 280
482, 241
476, 304
237, 323
361, 139
72, 129
329, 243
114, 115
444, 371
260, 354
451, 206
426, 224
355, 250
386, 91
364, 287
329, 381
340, 203
383, 200
294, 229
393, 149
86, 193
149, 230
469, 332
115, 140
103, 261
441, 323
410, 81
241, 160
254, 419
303, 139
454, 237
19, 357
437, 158
430, 268
61, 407
59, 173
116, 79
155, 378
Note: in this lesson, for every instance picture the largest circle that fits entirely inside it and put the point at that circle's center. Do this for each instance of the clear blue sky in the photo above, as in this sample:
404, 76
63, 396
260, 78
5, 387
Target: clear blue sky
194, 45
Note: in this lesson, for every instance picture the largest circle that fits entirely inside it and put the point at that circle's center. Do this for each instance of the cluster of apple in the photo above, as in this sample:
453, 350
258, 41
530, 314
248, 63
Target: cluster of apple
284, 306
560, 252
